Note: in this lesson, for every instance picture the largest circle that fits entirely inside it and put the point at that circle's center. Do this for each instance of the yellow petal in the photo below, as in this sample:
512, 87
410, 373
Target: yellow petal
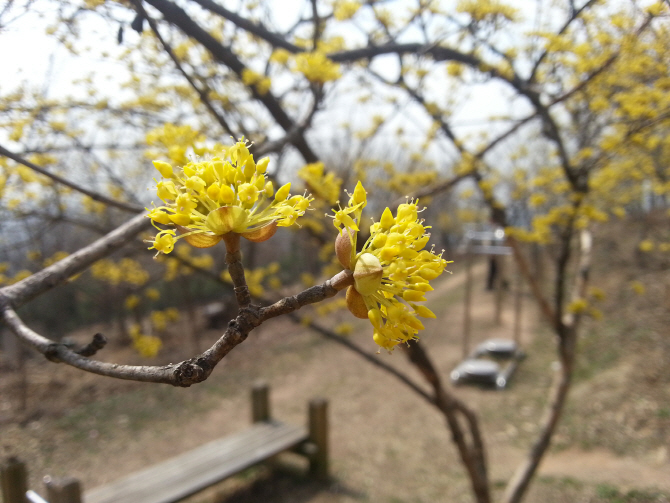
424, 312
282, 193
375, 317
359, 194
413, 296
181, 218
164, 169
387, 219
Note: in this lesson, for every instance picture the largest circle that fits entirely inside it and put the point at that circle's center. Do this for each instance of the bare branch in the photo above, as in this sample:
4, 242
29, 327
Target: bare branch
310, 296
46, 279
202, 94
473, 454
260, 31
178, 17
182, 374
93, 195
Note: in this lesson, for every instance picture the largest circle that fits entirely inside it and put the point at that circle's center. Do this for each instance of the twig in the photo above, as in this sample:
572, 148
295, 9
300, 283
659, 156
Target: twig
49, 277
202, 94
93, 195
177, 16
99, 342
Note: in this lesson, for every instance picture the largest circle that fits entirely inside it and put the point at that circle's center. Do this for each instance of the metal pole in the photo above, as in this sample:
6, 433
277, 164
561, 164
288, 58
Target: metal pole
518, 299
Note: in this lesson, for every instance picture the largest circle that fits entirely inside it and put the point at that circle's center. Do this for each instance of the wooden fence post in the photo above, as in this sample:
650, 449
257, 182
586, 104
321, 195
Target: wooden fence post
13, 481
63, 490
318, 435
260, 402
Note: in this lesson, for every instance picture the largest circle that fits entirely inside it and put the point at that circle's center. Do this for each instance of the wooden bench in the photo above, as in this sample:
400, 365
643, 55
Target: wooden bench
191, 472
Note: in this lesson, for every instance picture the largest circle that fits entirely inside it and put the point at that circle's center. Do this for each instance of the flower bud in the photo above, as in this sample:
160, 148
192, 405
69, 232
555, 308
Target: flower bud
368, 274
356, 304
164, 169
343, 247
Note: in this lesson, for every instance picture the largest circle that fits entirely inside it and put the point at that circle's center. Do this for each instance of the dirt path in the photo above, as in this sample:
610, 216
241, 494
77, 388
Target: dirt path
602, 466
387, 445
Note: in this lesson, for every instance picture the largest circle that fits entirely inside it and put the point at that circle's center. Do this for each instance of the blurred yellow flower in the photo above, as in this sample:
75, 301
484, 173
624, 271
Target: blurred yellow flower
637, 287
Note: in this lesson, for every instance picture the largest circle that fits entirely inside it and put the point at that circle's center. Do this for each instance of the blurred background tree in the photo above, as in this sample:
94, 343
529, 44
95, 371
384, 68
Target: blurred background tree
546, 121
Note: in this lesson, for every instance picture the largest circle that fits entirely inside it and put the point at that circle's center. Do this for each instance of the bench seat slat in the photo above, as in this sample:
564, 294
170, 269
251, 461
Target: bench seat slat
193, 471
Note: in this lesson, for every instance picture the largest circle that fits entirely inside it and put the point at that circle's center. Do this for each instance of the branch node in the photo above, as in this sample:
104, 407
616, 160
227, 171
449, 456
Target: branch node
51, 352
190, 372
99, 341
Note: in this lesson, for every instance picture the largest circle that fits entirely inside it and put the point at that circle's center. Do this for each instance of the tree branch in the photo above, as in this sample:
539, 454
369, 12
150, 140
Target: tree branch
259, 30
202, 94
178, 17
19, 293
473, 454
93, 195
567, 342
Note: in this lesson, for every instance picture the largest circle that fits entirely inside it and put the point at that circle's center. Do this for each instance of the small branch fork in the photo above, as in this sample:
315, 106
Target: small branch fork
184, 374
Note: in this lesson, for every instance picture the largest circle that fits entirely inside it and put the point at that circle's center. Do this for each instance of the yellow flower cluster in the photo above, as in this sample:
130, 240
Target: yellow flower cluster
259, 81
391, 272
345, 9
126, 271
146, 345
316, 67
175, 142
209, 199
326, 185
402, 183
483, 10
161, 319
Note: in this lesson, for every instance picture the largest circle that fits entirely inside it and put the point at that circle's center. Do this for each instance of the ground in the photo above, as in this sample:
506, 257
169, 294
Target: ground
387, 444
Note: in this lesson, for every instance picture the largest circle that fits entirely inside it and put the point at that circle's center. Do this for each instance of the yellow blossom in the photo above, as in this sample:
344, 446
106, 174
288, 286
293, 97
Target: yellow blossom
578, 306
159, 320
147, 345
131, 302
152, 293
637, 287
316, 67
345, 9
391, 272
323, 184
209, 199
646, 246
